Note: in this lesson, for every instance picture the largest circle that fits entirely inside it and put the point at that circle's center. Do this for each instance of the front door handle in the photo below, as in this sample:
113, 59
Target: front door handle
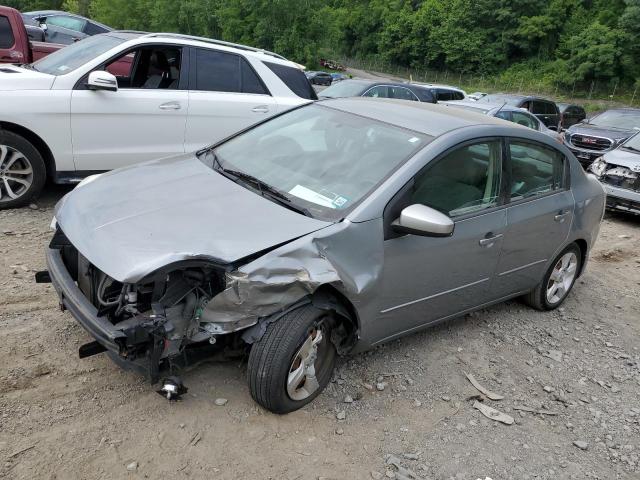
489, 239
561, 216
260, 109
170, 106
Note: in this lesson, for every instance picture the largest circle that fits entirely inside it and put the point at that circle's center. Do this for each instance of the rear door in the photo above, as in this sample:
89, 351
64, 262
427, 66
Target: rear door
539, 214
225, 95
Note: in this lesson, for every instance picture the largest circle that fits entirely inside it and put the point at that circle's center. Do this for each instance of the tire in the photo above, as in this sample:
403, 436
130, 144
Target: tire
541, 297
17, 154
279, 353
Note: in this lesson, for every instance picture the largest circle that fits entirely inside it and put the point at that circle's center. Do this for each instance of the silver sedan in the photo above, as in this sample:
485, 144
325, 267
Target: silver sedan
326, 230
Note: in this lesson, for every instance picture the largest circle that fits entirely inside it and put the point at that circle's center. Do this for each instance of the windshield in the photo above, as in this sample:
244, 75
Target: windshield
69, 58
500, 99
323, 160
633, 143
618, 119
343, 89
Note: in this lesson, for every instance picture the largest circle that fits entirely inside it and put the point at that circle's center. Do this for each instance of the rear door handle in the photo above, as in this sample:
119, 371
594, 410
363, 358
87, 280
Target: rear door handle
170, 106
489, 240
260, 109
560, 216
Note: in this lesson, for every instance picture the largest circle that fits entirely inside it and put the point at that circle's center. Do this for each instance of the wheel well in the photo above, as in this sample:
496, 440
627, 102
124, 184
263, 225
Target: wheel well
582, 245
37, 142
330, 298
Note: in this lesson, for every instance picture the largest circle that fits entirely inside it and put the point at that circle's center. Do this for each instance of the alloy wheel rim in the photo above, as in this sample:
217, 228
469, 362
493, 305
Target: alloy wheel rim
16, 174
301, 380
561, 278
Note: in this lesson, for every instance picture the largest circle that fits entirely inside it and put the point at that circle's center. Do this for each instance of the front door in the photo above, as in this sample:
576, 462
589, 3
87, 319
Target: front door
426, 279
225, 96
144, 120
539, 216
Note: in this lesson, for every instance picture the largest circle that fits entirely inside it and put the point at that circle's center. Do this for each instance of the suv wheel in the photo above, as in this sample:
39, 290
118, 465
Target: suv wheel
557, 281
22, 170
293, 361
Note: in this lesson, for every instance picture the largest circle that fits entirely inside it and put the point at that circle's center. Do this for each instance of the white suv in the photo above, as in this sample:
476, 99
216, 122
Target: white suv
125, 97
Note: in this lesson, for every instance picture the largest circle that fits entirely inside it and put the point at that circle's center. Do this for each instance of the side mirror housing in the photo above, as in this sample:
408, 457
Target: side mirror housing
419, 219
101, 80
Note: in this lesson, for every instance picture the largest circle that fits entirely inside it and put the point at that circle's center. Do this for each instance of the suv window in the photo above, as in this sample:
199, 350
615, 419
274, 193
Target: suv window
148, 68
295, 79
535, 170
379, 91
522, 118
7, 39
72, 23
464, 181
402, 93
225, 72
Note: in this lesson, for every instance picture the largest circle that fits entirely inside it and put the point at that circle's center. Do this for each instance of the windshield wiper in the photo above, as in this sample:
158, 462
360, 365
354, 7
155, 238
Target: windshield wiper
633, 149
263, 188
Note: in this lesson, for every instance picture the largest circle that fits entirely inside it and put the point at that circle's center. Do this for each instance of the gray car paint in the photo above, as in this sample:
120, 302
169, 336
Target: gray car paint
395, 286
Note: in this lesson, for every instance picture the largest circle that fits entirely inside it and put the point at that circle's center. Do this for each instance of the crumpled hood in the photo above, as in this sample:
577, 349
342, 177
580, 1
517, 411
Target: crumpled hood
13, 77
134, 220
612, 133
623, 158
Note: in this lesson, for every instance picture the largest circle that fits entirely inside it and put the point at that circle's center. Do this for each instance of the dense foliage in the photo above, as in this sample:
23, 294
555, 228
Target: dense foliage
563, 41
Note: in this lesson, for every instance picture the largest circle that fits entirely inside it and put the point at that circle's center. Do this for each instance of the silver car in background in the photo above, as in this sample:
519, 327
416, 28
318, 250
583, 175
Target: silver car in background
329, 229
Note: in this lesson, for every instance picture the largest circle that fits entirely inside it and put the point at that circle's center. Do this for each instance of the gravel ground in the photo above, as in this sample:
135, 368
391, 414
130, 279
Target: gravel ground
406, 404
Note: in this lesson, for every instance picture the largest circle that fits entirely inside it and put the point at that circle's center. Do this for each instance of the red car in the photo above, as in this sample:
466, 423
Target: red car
15, 46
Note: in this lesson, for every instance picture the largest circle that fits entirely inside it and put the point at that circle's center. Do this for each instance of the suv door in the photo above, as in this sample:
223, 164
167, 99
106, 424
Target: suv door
547, 112
144, 120
226, 95
426, 279
539, 215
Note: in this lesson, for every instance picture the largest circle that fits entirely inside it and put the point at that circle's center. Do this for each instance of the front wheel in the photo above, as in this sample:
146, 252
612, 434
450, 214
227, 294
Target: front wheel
557, 281
22, 170
293, 361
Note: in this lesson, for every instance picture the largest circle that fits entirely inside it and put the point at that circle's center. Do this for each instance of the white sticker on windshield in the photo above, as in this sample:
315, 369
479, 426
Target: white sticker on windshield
311, 196
414, 139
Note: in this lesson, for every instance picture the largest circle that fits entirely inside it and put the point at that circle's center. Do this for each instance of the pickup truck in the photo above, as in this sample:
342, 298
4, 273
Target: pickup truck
15, 45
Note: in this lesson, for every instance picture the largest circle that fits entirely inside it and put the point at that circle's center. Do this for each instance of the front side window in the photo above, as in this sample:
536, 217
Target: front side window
150, 67
69, 58
321, 159
71, 23
6, 34
464, 181
380, 91
535, 170
525, 120
94, 29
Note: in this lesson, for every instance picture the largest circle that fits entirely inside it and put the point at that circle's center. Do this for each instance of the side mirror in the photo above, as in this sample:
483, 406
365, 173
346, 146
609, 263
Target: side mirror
101, 80
419, 219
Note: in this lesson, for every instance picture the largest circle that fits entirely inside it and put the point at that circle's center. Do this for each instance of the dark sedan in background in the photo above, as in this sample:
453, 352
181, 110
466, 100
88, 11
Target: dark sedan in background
319, 78
367, 88
571, 114
602, 133
545, 110
64, 27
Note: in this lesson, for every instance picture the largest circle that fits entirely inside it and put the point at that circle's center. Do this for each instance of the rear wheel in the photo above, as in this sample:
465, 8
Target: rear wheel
293, 361
557, 281
22, 170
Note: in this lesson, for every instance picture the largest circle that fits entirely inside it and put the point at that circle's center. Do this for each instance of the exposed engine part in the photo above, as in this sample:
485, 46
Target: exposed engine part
172, 388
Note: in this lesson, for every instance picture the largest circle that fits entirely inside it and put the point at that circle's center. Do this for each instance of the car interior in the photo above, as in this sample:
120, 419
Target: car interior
148, 68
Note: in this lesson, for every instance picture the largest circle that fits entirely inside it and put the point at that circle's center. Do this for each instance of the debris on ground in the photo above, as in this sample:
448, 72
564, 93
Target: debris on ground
493, 414
581, 444
487, 393
221, 402
533, 410
401, 473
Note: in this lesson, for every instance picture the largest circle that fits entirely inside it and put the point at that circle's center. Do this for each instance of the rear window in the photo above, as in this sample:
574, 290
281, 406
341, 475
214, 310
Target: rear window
93, 29
6, 34
295, 79
225, 72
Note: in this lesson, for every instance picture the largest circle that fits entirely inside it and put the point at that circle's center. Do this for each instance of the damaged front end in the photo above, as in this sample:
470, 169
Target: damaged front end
141, 325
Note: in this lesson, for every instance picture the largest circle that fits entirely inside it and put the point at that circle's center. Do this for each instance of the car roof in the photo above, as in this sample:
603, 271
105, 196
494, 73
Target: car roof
438, 85
484, 107
426, 118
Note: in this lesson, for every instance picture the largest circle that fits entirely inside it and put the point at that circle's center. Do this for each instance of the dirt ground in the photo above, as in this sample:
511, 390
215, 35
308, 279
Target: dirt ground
63, 418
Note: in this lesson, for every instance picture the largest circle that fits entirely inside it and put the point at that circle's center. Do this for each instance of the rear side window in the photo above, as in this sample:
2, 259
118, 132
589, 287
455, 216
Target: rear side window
93, 29
535, 170
295, 79
379, 91
6, 34
72, 23
425, 95
225, 72
550, 108
402, 94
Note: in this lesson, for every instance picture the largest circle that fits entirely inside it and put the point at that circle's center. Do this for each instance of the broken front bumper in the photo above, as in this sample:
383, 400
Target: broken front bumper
72, 299
622, 199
